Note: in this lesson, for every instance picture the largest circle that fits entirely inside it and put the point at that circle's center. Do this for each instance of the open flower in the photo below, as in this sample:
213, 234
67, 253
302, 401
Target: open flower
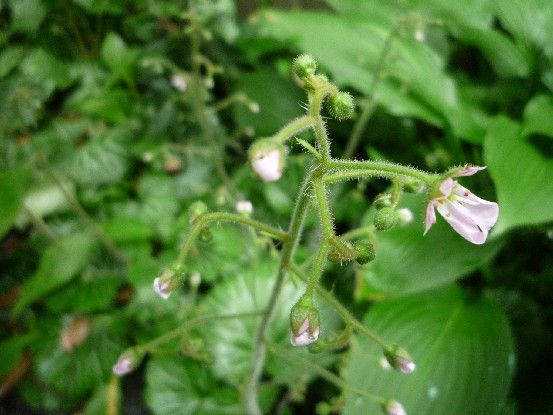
470, 216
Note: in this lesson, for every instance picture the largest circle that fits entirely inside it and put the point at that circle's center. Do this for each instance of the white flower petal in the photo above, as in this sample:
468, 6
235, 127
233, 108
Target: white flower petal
430, 217
267, 167
463, 223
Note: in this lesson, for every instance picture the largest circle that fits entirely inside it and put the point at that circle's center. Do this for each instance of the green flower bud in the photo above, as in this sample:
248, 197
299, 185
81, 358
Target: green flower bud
340, 106
304, 322
195, 210
385, 218
303, 66
399, 359
366, 252
383, 200
205, 235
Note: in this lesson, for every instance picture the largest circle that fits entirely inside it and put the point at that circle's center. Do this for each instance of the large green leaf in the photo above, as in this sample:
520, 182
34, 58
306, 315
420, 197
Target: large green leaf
538, 116
408, 262
178, 386
58, 265
26, 15
13, 185
119, 57
462, 346
523, 176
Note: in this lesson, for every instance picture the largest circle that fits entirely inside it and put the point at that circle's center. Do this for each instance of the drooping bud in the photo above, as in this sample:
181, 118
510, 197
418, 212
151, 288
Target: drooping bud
341, 251
366, 252
167, 280
244, 207
304, 322
304, 65
341, 106
399, 359
267, 158
393, 407
195, 210
128, 361
405, 215
383, 200
179, 82
205, 235
385, 218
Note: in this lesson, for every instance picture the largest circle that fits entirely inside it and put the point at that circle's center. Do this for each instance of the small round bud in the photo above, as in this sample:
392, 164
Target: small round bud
147, 156
167, 280
254, 107
195, 279
405, 215
304, 65
195, 210
205, 235
385, 218
399, 359
128, 361
304, 322
366, 252
179, 82
383, 200
244, 207
392, 407
172, 165
267, 159
341, 106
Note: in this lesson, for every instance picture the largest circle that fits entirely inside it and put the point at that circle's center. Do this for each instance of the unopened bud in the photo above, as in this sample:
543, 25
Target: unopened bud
385, 218
304, 322
392, 407
128, 361
399, 359
167, 280
205, 235
267, 159
244, 207
366, 252
179, 82
405, 215
172, 165
254, 107
383, 200
195, 210
195, 279
304, 65
341, 106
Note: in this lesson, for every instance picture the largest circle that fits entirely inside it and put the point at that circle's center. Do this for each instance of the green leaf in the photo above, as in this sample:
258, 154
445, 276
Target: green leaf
10, 58
127, 230
118, 57
26, 15
13, 186
42, 67
523, 176
408, 262
11, 350
58, 265
462, 346
175, 385
538, 116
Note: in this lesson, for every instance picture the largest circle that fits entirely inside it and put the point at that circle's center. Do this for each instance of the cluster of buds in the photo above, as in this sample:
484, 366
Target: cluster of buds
304, 322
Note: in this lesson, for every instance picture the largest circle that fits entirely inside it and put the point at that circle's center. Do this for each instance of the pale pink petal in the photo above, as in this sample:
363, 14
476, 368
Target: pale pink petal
469, 170
446, 188
268, 167
430, 217
463, 223
482, 211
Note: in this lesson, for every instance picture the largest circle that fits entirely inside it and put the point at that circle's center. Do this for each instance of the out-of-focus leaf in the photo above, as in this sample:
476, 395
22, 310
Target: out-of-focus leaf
127, 230
75, 373
112, 105
538, 116
118, 57
408, 262
42, 201
11, 350
13, 186
26, 15
42, 67
462, 346
279, 101
523, 177
102, 6
175, 385
58, 265
10, 58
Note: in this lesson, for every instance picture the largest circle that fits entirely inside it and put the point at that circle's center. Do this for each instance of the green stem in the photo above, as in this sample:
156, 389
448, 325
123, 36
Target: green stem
318, 267
318, 124
375, 168
292, 128
325, 215
289, 247
322, 372
198, 321
340, 309
207, 218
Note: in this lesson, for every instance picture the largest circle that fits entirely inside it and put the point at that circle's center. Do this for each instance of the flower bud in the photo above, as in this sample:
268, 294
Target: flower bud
341, 251
195, 279
405, 215
167, 280
195, 210
303, 66
392, 407
179, 82
205, 235
267, 158
128, 361
383, 200
304, 322
340, 106
399, 359
244, 207
385, 218
365, 250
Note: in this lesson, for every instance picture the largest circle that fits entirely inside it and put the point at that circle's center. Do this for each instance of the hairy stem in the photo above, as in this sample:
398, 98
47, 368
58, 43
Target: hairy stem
351, 169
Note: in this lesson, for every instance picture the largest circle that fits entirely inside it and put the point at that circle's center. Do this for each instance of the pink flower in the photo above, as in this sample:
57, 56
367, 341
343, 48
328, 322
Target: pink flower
470, 216
304, 337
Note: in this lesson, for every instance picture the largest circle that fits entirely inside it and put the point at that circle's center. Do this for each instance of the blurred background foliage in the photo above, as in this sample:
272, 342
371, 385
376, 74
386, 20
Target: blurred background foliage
116, 115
